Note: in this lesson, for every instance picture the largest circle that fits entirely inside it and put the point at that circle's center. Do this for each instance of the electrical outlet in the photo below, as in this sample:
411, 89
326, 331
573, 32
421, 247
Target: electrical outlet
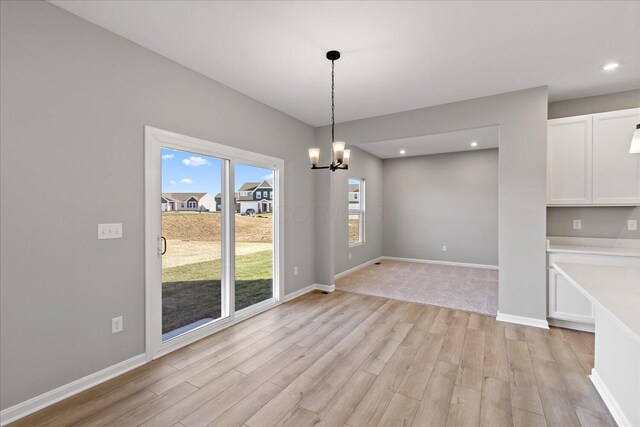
295, 271
444, 249
632, 224
577, 224
116, 325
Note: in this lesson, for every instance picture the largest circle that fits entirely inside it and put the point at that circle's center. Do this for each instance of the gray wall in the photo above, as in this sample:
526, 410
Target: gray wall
522, 117
368, 167
74, 101
595, 104
444, 199
608, 222
605, 221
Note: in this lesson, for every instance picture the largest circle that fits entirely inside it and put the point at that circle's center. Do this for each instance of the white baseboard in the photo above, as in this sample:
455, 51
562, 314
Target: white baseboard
520, 320
433, 261
49, 398
299, 292
567, 324
357, 267
325, 288
609, 400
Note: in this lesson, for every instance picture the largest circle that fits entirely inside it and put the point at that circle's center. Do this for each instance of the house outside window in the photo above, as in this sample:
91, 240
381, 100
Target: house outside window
356, 211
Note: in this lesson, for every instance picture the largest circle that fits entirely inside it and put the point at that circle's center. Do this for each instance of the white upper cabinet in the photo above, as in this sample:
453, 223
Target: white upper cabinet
569, 149
616, 172
588, 160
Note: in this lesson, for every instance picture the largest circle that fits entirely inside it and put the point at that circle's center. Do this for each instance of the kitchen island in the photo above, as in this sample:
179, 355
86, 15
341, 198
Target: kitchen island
615, 293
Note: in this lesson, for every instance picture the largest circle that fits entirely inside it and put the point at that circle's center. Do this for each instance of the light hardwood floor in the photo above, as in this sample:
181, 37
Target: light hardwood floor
345, 359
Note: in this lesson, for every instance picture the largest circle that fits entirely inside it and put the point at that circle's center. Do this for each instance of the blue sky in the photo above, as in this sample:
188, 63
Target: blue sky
184, 172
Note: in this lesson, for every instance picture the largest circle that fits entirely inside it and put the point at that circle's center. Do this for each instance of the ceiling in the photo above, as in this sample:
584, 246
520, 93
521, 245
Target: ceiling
397, 56
448, 142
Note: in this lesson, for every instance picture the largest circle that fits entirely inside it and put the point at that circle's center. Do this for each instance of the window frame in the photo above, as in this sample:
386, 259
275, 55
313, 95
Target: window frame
361, 212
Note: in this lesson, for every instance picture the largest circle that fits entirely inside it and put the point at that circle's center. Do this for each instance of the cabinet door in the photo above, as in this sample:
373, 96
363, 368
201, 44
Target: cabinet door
569, 148
616, 172
566, 302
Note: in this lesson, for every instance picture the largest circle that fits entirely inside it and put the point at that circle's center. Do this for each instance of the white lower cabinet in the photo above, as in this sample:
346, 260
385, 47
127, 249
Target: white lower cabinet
567, 306
566, 302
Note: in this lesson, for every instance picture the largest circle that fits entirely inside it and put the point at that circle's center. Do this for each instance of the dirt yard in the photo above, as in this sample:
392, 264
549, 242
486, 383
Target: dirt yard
182, 252
206, 226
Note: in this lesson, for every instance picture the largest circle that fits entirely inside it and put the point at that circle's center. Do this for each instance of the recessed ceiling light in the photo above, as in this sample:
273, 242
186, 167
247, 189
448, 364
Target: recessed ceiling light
610, 66
474, 144
403, 152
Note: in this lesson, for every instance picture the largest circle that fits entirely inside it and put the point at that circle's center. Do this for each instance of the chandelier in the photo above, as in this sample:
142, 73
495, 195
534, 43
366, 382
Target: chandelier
339, 156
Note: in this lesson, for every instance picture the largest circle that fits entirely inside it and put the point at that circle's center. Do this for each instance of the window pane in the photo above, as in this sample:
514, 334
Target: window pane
354, 228
254, 235
356, 210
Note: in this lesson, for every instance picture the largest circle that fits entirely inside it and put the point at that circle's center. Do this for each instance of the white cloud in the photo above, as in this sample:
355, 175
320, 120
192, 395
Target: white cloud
167, 156
195, 161
186, 181
172, 182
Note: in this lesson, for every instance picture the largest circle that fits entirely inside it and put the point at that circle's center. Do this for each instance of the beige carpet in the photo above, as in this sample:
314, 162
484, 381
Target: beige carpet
462, 288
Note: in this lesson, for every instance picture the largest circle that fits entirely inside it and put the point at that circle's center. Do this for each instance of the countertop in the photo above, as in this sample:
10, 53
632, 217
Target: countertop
594, 246
616, 289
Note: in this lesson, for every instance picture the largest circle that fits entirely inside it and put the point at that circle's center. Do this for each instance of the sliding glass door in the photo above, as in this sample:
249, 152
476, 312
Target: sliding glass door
212, 237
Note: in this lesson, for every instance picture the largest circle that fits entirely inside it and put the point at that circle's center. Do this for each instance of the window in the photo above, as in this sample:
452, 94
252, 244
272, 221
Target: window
193, 204
356, 211
258, 194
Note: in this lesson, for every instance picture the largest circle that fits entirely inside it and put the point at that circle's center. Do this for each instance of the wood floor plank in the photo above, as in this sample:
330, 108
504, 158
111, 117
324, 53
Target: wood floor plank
420, 328
279, 406
538, 346
249, 405
472, 363
464, 410
195, 400
415, 380
117, 409
589, 418
524, 389
160, 403
451, 351
442, 321
434, 407
495, 406
375, 401
297, 417
523, 418
93, 406
344, 402
556, 403
400, 412
477, 321
582, 391
216, 407
496, 364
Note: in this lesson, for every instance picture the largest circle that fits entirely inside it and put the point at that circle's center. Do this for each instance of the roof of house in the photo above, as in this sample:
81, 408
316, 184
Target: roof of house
251, 187
182, 197
354, 188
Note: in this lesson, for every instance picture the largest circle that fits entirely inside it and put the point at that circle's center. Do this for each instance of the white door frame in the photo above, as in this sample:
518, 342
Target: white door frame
154, 140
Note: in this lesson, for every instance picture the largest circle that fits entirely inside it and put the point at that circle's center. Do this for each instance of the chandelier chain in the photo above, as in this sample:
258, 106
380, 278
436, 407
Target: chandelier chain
333, 102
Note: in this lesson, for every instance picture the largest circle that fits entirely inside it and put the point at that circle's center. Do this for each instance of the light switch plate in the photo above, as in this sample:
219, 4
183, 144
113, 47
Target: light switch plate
632, 224
577, 224
110, 231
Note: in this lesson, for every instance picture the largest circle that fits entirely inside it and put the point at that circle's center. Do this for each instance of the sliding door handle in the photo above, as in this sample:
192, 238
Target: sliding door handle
164, 246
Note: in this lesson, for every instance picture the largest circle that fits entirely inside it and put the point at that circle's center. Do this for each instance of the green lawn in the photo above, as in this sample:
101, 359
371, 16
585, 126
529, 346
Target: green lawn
192, 292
